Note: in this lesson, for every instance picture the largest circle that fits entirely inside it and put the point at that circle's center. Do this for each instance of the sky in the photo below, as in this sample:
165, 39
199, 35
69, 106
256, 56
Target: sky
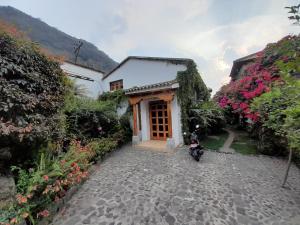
211, 32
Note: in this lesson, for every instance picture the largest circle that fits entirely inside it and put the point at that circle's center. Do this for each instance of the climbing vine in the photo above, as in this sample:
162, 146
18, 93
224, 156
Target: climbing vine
192, 90
115, 96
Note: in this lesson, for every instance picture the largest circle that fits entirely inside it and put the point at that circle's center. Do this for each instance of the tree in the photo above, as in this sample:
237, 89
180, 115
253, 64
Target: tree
280, 110
267, 100
295, 17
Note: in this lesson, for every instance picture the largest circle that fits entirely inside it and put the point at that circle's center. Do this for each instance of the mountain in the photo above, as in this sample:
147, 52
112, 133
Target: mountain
56, 41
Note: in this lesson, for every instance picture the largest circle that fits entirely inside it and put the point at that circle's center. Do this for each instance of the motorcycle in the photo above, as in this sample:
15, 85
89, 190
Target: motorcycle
195, 149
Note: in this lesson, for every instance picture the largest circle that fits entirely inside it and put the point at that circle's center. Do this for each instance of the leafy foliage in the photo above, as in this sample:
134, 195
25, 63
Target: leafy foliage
295, 13
39, 111
116, 96
280, 108
32, 89
208, 115
88, 118
243, 144
191, 91
262, 97
215, 142
52, 178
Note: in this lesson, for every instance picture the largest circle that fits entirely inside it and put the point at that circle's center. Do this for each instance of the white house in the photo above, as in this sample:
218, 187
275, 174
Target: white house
88, 79
150, 84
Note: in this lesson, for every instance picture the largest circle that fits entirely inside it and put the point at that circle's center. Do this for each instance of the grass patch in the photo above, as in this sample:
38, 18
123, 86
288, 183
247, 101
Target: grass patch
244, 145
214, 142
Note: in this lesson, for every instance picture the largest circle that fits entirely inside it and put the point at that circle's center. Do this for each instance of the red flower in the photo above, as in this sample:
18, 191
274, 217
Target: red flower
21, 199
46, 178
235, 106
13, 221
223, 102
44, 213
244, 105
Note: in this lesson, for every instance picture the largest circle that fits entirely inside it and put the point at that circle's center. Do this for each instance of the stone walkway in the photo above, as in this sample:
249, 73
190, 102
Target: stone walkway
138, 187
226, 147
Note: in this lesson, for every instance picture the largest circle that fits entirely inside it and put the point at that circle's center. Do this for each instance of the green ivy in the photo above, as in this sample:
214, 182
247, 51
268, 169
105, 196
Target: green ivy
115, 96
192, 90
209, 116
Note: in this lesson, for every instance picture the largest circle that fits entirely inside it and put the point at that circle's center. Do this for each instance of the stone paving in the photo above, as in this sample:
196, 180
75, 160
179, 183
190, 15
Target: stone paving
138, 187
226, 147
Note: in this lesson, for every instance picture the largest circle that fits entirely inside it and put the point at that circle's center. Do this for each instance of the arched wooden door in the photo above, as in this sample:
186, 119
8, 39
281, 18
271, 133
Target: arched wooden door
159, 120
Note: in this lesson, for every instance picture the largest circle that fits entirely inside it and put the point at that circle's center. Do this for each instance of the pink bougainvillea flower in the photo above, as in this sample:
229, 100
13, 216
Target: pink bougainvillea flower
266, 75
235, 106
260, 54
244, 105
223, 102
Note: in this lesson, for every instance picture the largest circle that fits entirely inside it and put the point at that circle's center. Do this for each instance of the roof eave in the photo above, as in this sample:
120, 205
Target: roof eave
174, 85
178, 60
85, 67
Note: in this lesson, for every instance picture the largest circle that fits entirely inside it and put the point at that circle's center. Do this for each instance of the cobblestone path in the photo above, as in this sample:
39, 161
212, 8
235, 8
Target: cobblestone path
143, 187
226, 147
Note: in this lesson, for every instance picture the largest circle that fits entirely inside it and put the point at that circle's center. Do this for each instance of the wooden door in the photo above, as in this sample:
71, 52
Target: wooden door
159, 120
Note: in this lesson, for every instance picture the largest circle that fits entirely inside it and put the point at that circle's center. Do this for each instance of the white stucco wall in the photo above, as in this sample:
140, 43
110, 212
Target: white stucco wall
92, 88
176, 122
145, 120
122, 108
143, 72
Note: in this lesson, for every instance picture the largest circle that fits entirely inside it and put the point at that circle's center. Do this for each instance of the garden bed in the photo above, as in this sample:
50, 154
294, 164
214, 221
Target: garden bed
214, 142
243, 144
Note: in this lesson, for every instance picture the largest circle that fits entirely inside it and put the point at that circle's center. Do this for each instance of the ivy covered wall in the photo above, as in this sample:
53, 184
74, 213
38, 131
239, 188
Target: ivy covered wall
192, 90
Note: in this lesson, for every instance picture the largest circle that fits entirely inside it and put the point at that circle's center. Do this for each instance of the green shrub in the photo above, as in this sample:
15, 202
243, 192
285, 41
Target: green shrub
280, 108
264, 99
191, 90
32, 89
243, 144
103, 146
88, 118
215, 142
52, 177
208, 115
116, 97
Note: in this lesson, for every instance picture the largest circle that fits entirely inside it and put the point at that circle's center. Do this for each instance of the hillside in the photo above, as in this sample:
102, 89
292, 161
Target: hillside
57, 41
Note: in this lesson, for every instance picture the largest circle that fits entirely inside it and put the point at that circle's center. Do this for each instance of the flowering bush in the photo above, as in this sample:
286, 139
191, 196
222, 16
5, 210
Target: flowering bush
49, 182
263, 76
258, 78
238, 94
39, 114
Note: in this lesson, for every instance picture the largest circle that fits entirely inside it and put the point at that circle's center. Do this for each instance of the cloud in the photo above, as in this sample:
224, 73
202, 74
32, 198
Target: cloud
176, 29
212, 32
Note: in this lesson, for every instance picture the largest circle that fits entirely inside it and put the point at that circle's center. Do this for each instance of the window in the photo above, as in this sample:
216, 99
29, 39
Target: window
116, 85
